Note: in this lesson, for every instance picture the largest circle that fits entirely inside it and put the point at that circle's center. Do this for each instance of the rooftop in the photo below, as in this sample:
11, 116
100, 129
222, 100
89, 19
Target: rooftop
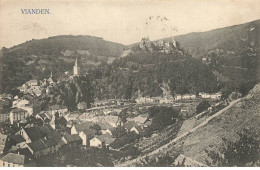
106, 138
50, 142
89, 132
18, 110
17, 138
130, 124
83, 126
14, 158
33, 133
57, 107
37, 145
72, 138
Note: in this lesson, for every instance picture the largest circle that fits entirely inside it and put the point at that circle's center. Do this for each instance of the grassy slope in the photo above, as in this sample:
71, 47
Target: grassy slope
244, 114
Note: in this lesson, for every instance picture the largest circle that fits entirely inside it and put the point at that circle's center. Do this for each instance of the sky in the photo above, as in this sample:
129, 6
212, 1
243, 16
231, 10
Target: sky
120, 21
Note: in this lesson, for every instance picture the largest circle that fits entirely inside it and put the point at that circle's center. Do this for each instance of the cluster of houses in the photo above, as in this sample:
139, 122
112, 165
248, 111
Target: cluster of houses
37, 87
91, 128
18, 109
170, 99
161, 45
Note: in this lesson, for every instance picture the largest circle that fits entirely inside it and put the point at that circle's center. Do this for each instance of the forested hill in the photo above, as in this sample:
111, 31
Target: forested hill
147, 73
233, 53
66, 44
38, 58
230, 38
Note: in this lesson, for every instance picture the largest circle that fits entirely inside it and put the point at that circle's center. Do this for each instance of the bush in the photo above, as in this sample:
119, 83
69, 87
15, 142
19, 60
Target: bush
243, 152
204, 105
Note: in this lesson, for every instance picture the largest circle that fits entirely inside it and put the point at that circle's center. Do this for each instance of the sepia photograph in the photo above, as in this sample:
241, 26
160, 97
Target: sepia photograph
129, 83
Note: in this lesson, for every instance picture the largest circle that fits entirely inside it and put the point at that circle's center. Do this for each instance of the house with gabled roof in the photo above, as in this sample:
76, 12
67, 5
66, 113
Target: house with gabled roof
30, 134
132, 126
43, 147
112, 120
106, 128
86, 136
60, 109
101, 141
18, 114
77, 128
12, 160
72, 140
18, 141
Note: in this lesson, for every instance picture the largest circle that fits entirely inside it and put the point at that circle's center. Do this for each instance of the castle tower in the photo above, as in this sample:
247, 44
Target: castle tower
76, 68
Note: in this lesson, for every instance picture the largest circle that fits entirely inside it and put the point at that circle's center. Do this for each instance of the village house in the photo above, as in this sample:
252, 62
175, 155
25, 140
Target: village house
3, 140
86, 136
132, 126
20, 103
30, 134
101, 141
32, 83
43, 147
18, 114
44, 116
72, 116
112, 120
139, 119
58, 109
77, 128
210, 96
4, 115
82, 106
97, 142
12, 160
167, 100
188, 96
204, 95
5, 105
108, 139
177, 97
18, 141
106, 128
216, 96
72, 140
142, 100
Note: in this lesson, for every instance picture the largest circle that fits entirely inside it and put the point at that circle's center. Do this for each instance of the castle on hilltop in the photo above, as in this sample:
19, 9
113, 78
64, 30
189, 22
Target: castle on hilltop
161, 45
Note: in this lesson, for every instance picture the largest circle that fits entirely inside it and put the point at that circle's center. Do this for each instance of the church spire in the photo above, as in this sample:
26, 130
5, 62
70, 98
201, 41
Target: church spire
76, 68
76, 62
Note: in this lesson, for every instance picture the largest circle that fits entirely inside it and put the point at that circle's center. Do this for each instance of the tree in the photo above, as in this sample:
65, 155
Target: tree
204, 105
243, 152
162, 116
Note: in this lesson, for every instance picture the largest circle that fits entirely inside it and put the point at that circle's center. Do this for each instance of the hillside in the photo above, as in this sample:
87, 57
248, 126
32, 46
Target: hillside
38, 58
147, 73
232, 53
244, 114
69, 93
228, 38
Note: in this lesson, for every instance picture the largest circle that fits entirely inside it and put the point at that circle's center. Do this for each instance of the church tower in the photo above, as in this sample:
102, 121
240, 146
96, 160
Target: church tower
76, 68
